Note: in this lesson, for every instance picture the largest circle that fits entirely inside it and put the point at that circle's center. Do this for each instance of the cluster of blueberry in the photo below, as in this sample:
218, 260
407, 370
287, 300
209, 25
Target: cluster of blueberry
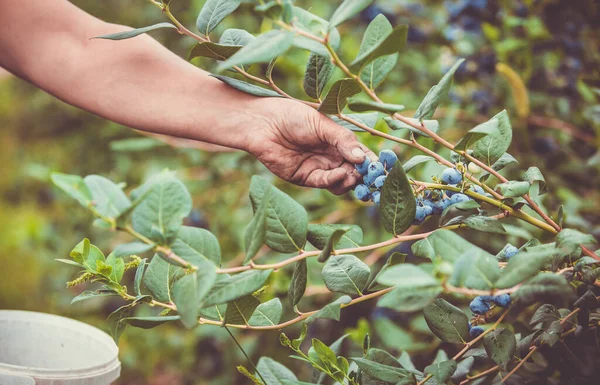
482, 304
374, 175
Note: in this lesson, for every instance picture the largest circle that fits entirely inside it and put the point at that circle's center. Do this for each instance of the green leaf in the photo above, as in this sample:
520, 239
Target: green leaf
481, 131
338, 94
346, 274
69, 262
394, 259
240, 311
139, 275
386, 373
441, 371
262, 49
309, 22
490, 148
447, 245
324, 352
587, 301
273, 372
374, 73
267, 314
158, 279
398, 205
410, 299
369, 120
108, 199
551, 335
333, 239
234, 36
406, 276
133, 248
298, 283
256, 232
446, 321
135, 32
88, 294
347, 10
115, 326
190, 290
534, 175
148, 322
415, 161
166, 203
463, 369
236, 286
118, 267
543, 287
213, 50
318, 72
513, 188
74, 186
287, 220
500, 346
431, 125
483, 223
369, 105
523, 266
546, 313
330, 311
568, 240
388, 44
197, 245
247, 87
320, 234
436, 94
213, 12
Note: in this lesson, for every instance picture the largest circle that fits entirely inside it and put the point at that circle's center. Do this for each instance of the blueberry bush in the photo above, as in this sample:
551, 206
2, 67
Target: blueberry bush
532, 307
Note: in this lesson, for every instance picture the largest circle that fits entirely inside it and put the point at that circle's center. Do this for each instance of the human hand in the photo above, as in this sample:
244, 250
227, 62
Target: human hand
305, 147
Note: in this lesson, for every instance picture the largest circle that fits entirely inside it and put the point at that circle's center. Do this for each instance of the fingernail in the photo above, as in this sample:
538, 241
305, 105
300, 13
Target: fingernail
357, 152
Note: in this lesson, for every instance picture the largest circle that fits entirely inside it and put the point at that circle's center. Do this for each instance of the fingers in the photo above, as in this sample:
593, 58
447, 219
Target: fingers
345, 142
338, 180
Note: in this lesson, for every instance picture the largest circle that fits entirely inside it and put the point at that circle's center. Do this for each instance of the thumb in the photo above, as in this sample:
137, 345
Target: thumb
344, 141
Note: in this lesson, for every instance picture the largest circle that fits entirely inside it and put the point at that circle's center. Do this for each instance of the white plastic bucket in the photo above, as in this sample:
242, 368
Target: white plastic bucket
45, 349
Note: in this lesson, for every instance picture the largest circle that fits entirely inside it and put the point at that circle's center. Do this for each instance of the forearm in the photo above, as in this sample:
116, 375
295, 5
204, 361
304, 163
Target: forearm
137, 83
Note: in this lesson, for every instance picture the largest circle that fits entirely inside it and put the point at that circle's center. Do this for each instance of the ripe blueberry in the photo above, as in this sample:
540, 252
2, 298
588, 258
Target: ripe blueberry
476, 331
420, 215
363, 167
380, 180
510, 251
479, 306
388, 158
457, 198
449, 193
451, 176
362, 192
376, 196
502, 300
477, 189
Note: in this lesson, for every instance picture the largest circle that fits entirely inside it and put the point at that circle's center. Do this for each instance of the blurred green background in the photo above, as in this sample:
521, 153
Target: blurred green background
552, 45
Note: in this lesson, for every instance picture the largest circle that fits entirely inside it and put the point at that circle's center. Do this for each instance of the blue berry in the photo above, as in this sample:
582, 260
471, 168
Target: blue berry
450, 193
502, 300
428, 203
445, 203
428, 209
380, 180
457, 198
451, 176
476, 331
363, 167
510, 251
375, 170
362, 192
420, 215
376, 196
388, 158
479, 306
477, 189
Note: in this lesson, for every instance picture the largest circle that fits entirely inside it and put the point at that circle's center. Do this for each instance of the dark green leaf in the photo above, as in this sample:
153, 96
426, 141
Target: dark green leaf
587, 301
475, 270
369, 120
436, 94
135, 32
213, 12
287, 221
405, 276
115, 326
347, 10
273, 372
133, 248
247, 87
388, 44
346, 274
543, 287
197, 245
394, 259
513, 188
398, 205
410, 299
369, 105
334, 238
486, 224
441, 371
190, 290
523, 266
415, 161
236, 286
500, 346
213, 50
240, 311
446, 321
139, 275
338, 94
484, 129
93, 294
267, 314
298, 283
236, 37
534, 175
463, 369
262, 49
544, 314
330, 311
256, 232
491, 148
568, 240
320, 234
386, 373
431, 125
375, 72
148, 322
551, 335
318, 72
447, 245
158, 279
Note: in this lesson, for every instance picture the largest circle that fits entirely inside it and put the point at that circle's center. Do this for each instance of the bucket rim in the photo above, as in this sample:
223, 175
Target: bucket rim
56, 320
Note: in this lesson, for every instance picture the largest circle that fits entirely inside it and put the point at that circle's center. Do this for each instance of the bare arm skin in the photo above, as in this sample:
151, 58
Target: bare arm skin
141, 84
